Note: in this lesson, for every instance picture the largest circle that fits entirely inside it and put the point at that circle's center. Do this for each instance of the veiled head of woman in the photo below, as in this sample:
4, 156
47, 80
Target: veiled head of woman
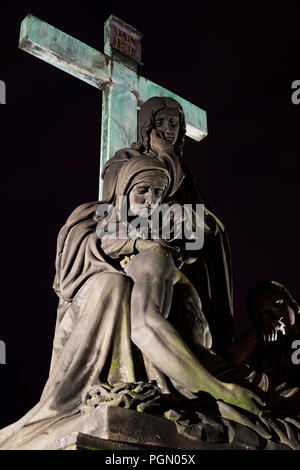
150, 116
142, 183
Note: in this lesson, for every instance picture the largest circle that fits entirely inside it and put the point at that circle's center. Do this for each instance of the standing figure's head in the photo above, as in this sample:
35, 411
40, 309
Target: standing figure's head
270, 298
165, 115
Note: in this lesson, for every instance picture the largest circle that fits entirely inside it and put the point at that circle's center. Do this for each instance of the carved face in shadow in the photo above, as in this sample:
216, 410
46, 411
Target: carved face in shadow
274, 305
167, 123
143, 196
144, 182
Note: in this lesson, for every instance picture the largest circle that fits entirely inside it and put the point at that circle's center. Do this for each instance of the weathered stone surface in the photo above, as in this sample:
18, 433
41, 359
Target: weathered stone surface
119, 425
118, 428
81, 441
106, 330
114, 428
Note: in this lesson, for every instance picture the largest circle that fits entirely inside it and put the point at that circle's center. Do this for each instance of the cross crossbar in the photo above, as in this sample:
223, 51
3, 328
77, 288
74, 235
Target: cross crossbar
124, 91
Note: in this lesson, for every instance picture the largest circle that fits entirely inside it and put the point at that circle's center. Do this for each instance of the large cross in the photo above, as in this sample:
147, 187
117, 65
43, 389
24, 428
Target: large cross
114, 72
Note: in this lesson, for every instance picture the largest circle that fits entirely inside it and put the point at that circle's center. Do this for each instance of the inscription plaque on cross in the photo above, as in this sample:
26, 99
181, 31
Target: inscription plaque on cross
114, 72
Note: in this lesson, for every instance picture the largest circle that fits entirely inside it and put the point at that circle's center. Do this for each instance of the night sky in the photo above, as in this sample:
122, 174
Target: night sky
236, 63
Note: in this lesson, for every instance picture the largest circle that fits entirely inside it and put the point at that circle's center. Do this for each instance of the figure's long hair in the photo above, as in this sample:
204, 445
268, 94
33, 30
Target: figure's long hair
265, 287
146, 122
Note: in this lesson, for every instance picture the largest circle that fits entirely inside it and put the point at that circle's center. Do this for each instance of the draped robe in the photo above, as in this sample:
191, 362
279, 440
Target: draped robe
92, 343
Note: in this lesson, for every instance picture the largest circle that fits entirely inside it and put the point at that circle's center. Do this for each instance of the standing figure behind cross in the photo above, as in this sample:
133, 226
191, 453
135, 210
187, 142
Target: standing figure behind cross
115, 73
104, 310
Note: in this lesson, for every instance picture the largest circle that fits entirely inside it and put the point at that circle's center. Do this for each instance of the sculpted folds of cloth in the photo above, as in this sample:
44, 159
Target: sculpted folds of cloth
147, 327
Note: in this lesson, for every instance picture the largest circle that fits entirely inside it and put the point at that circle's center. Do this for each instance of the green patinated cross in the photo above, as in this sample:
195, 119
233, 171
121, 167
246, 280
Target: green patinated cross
114, 72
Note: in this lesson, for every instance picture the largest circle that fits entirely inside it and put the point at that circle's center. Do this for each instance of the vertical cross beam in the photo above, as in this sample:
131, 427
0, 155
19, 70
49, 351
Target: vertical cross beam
119, 103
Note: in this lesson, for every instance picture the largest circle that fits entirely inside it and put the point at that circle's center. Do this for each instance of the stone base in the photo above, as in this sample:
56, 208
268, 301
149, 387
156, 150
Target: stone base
114, 428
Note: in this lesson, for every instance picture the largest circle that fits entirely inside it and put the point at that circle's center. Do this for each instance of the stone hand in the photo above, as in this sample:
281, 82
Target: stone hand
159, 143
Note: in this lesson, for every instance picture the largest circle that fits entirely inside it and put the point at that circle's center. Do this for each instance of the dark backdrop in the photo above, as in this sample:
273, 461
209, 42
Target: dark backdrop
236, 63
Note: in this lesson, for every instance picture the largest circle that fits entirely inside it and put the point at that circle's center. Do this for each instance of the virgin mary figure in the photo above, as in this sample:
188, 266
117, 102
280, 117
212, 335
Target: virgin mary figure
128, 324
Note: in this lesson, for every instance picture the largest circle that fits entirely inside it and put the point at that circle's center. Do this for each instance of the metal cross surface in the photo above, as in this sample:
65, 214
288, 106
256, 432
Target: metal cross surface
114, 72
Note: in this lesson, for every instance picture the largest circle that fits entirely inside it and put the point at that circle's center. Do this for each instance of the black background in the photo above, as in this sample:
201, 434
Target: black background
236, 63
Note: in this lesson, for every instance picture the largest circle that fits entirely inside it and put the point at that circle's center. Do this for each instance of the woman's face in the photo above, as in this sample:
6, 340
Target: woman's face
144, 196
167, 123
274, 305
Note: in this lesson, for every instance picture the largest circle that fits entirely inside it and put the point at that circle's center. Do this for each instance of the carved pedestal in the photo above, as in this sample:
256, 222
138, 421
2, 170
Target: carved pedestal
114, 428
